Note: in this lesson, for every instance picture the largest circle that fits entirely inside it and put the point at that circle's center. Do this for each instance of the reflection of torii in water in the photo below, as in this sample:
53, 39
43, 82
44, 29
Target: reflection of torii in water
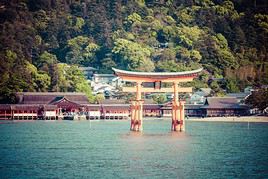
157, 78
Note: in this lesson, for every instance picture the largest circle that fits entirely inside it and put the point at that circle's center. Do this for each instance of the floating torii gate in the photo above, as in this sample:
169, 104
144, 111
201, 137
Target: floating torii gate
157, 78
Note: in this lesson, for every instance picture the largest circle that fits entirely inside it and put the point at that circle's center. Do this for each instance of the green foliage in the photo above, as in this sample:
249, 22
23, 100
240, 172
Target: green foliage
79, 23
70, 78
216, 88
232, 86
169, 20
46, 58
197, 84
186, 15
81, 51
13, 77
191, 33
107, 65
258, 99
134, 18
221, 41
41, 20
167, 54
228, 38
195, 55
99, 98
160, 98
40, 80
262, 20
133, 56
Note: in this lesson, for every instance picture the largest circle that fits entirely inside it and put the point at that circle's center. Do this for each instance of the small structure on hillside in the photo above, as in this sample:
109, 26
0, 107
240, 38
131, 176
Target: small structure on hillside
102, 88
199, 96
103, 78
88, 72
106, 83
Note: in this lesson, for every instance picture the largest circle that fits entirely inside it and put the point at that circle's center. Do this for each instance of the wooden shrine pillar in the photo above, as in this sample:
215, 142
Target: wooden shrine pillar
136, 110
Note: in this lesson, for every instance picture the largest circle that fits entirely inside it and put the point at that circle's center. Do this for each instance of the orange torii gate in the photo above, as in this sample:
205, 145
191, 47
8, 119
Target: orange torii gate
157, 78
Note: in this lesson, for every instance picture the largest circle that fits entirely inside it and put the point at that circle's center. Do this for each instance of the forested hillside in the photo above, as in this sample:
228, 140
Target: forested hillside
42, 42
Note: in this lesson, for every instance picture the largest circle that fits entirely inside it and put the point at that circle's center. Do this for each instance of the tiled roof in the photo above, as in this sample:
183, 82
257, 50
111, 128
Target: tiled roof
115, 107
238, 95
92, 107
50, 97
193, 106
222, 102
112, 101
152, 106
5, 106
32, 107
168, 106
25, 107
50, 107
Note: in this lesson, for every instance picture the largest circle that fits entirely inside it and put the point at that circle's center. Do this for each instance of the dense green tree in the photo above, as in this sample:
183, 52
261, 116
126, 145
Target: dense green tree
228, 38
81, 51
258, 99
13, 77
99, 98
40, 79
231, 86
160, 98
70, 78
46, 59
133, 56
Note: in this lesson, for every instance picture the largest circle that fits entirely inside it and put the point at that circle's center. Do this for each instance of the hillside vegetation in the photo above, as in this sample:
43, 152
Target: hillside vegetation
44, 41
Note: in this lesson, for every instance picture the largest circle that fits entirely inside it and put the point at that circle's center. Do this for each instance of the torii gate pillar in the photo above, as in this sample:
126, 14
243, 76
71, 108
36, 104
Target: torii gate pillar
136, 110
177, 111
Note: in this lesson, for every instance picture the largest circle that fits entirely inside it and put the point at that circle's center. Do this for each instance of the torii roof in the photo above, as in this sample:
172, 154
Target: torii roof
161, 76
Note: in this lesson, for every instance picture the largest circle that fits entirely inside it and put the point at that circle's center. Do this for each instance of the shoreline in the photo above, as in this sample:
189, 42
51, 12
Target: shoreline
263, 119
231, 119
219, 119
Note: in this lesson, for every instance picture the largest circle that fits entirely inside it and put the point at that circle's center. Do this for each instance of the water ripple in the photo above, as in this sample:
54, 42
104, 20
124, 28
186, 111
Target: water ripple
98, 149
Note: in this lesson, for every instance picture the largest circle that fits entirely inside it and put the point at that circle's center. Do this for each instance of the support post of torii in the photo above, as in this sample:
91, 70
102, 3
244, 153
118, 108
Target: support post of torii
178, 123
136, 110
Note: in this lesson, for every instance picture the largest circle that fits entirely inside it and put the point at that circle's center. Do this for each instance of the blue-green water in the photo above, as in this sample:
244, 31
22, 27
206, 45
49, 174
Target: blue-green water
107, 149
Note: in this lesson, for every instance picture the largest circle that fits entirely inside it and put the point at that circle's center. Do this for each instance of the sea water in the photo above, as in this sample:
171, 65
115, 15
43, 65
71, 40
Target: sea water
107, 149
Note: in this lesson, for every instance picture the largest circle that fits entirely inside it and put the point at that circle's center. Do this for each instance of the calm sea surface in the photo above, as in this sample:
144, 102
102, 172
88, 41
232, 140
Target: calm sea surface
107, 149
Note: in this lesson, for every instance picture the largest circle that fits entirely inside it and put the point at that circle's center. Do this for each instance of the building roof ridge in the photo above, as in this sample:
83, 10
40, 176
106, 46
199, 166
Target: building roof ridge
51, 93
221, 97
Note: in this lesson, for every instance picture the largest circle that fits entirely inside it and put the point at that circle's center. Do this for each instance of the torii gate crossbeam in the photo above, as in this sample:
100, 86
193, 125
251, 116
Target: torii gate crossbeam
157, 77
